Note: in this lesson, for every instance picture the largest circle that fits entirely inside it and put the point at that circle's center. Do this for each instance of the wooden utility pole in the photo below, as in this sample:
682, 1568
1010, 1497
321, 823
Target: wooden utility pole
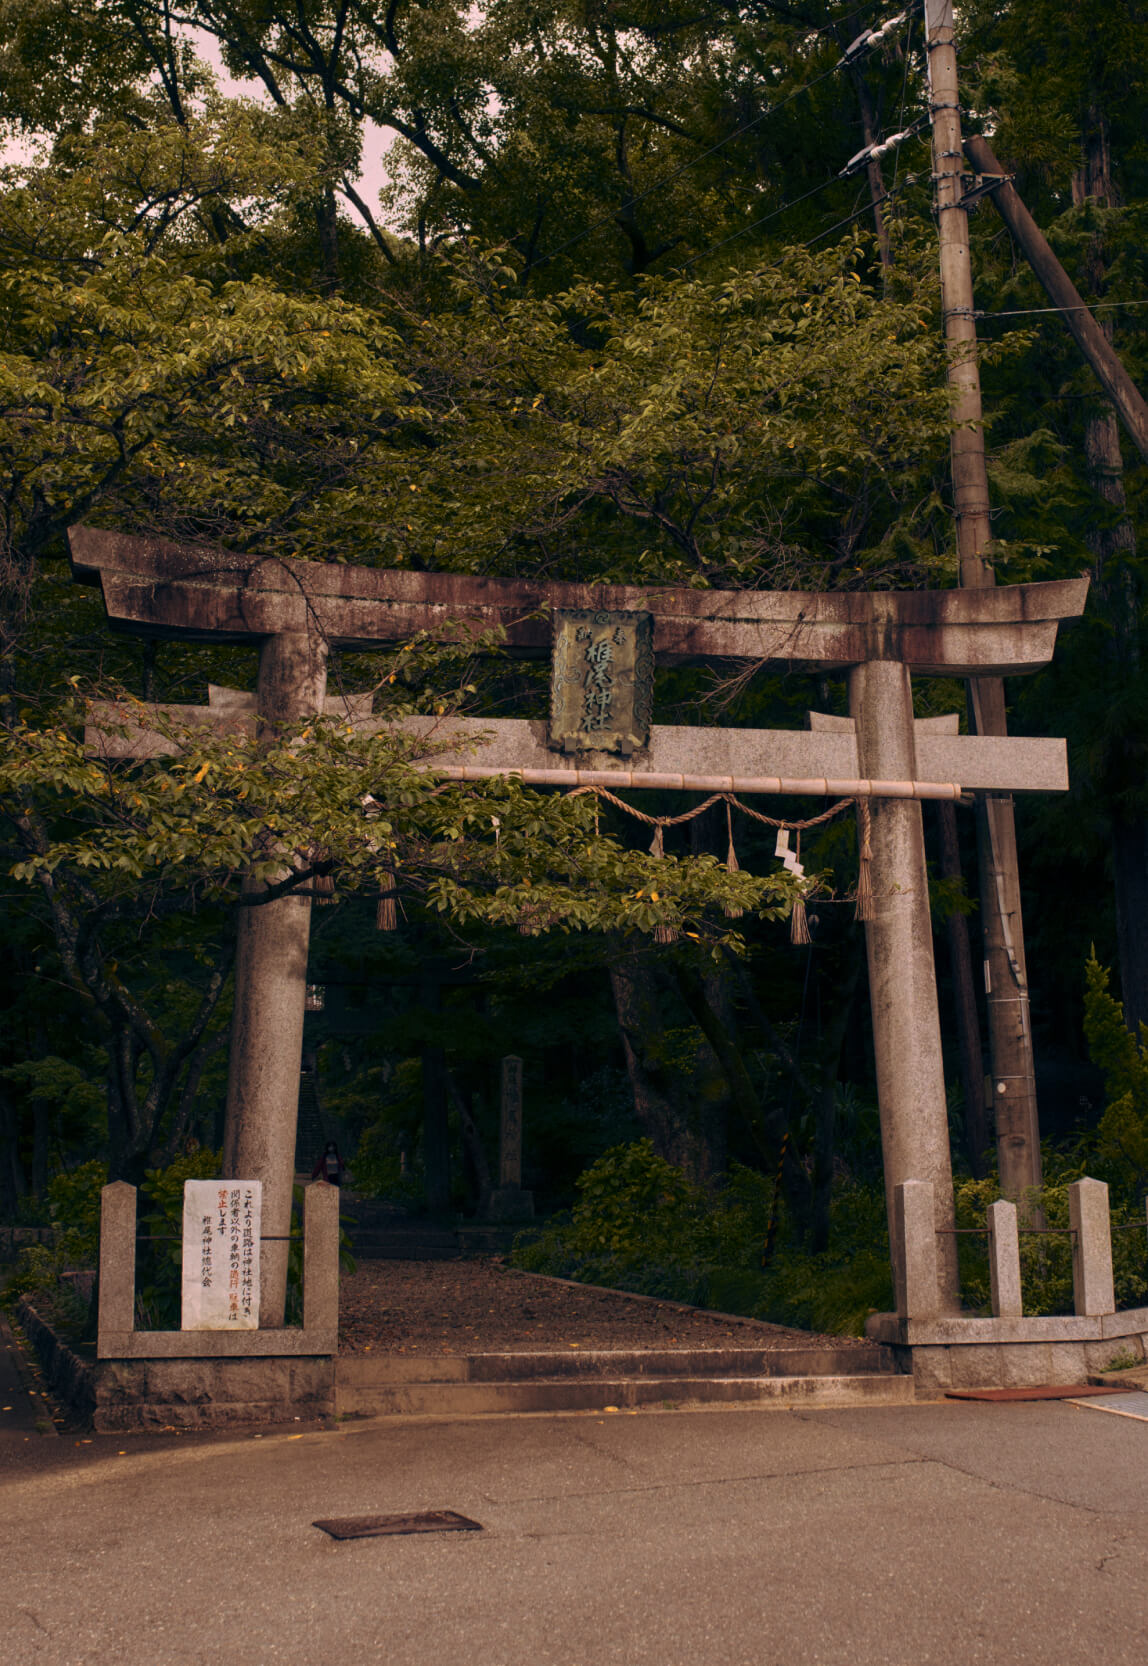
1064, 295
1113, 541
1006, 981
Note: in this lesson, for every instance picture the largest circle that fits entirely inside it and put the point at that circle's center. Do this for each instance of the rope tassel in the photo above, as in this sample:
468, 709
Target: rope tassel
799, 919
656, 846
799, 923
864, 909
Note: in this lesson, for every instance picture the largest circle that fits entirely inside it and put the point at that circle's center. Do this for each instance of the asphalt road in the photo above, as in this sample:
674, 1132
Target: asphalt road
951, 1533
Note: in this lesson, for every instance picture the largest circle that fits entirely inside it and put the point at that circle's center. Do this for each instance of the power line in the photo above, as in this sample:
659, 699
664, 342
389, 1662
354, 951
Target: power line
878, 148
754, 224
860, 213
871, 37
904, 96
668, 179
1085, 306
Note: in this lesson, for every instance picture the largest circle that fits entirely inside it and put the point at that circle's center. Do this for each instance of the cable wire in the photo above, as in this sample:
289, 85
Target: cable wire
1085, 306
860, 213
676, 173
904, 96
754, 224
668, 179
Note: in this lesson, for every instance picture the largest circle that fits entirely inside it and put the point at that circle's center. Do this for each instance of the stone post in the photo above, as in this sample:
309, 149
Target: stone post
321, 1257
510, 1123
117, 1258
915, 1259
510, 1202
270, 989
902, 979
1004, 1260
1092, 1286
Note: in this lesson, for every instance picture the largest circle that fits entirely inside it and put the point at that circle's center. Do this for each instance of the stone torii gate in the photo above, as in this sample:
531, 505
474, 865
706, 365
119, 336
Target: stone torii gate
297, 612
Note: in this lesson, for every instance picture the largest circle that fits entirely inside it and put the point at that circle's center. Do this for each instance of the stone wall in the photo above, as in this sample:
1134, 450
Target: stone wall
119, 1395
210, 1393
15, 1238
71, 1378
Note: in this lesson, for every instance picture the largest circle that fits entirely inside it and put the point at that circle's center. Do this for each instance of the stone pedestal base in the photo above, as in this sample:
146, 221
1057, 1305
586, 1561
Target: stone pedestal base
510, 1203
209, 1392
1008, 1353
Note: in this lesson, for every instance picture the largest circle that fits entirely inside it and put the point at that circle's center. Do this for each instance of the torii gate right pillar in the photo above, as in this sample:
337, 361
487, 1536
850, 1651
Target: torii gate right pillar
902, 979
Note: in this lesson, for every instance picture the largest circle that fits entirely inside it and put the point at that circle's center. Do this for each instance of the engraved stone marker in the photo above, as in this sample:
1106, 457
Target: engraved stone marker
602, 680
510, 1129
221, 1227
510, 1202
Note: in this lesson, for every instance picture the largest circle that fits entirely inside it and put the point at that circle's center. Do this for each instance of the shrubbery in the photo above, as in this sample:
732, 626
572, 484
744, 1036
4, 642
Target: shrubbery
640, 1225
74, 1206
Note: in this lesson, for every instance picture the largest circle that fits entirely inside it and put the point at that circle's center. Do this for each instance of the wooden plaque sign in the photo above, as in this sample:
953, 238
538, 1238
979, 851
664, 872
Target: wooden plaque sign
602, 680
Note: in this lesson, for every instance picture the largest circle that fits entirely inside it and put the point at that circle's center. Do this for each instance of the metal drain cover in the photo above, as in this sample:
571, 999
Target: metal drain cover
378, 1527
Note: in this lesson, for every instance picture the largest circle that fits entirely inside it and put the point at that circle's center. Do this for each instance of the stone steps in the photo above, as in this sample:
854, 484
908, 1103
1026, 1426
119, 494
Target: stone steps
592, 1379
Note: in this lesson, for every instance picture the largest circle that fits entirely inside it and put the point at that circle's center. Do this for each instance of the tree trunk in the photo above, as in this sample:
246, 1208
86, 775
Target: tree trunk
436, 1125
39, 1146
679, 1113
185, 1119
873, 166
1112, 544
436, 1131
327, 219
766, 1124
474, 1153
1130, 866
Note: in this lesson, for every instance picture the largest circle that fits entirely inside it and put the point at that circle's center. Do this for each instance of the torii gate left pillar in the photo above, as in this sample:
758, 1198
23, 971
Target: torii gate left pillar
270, 991
902, 977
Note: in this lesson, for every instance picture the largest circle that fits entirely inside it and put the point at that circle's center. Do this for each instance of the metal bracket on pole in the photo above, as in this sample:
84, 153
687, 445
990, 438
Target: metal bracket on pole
983, 185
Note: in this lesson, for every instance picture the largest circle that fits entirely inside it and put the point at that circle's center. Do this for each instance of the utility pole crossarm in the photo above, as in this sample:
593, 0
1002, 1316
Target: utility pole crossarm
1064, 295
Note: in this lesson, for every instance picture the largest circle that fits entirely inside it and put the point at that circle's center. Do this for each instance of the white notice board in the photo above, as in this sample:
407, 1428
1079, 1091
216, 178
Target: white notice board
221, 1226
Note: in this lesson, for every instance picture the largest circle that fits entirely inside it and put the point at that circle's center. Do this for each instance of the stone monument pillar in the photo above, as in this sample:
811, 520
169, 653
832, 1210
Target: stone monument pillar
902, 978
510, 1202
270, 990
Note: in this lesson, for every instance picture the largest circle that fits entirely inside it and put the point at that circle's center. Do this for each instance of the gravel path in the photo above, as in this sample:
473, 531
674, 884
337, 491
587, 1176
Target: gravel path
482, 1306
